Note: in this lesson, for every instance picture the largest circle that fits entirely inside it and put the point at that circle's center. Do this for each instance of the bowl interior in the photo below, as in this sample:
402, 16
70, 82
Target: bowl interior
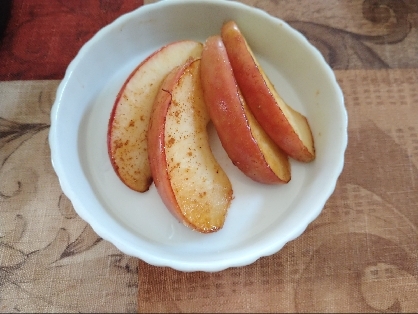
261, 218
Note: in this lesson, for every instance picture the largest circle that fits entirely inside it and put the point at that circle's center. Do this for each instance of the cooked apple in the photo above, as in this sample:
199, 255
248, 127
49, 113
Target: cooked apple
129, 120
188, 178
242, 137
287, 127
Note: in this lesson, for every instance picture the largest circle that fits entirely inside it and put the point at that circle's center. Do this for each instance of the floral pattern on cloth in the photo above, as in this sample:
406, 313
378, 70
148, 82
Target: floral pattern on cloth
50, 259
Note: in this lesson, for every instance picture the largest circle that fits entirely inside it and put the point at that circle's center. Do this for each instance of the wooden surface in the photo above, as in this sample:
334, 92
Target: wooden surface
359, 255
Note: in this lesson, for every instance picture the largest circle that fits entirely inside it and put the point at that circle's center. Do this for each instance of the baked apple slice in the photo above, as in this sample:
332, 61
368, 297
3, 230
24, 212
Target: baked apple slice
129, 120
287, 127
246, 143
188, 178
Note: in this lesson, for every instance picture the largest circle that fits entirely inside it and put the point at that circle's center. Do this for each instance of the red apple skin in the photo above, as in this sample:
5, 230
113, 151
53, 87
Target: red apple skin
129, 119
188, 179
233, 121
287, 127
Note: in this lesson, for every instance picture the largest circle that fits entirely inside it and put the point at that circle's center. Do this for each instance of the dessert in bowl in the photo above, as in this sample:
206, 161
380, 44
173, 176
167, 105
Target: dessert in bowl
261, 218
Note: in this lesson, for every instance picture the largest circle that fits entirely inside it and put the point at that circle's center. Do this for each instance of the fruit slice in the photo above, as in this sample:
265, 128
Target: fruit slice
242, 137
129, 120
188, 178
287, 127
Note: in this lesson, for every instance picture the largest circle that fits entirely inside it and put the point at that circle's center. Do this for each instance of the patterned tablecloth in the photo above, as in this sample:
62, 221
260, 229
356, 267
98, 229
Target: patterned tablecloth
359, 255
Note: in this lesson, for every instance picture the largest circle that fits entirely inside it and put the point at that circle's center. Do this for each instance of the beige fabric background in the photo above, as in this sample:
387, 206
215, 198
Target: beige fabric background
50, 259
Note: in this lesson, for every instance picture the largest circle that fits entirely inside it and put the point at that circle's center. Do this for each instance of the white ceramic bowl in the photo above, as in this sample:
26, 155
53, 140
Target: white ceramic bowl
261, 219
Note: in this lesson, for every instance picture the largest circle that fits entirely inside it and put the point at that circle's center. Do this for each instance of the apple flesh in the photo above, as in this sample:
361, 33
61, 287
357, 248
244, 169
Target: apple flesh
129, 120
187, 176
242, 137
287, 127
